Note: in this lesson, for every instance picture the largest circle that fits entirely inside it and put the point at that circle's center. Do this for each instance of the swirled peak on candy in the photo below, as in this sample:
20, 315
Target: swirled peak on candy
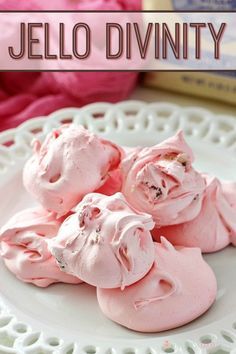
161, 181
179, 288
70, 163
25, 251
106, 242
214, 227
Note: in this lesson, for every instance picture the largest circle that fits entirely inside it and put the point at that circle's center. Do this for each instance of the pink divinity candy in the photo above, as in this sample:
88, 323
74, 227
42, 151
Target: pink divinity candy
179, 288
106, 243
70, 163
161, 181
24, 248
214, 227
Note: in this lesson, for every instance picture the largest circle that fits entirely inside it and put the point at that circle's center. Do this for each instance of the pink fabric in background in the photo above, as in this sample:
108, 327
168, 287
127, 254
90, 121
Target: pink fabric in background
26, 95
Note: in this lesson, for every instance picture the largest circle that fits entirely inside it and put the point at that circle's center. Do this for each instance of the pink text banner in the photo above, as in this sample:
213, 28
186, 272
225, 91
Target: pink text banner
117, 41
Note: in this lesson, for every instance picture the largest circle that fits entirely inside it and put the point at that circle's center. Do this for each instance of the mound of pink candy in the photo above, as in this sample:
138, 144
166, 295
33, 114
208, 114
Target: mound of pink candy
131, 222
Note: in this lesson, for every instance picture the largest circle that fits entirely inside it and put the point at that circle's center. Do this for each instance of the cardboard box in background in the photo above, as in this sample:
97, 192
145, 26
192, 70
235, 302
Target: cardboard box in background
215, 85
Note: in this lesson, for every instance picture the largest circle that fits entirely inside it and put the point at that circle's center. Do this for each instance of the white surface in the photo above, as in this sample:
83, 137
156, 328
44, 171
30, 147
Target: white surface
68, 316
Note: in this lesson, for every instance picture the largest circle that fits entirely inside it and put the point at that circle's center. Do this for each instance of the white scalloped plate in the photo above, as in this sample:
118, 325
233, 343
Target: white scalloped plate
65, 319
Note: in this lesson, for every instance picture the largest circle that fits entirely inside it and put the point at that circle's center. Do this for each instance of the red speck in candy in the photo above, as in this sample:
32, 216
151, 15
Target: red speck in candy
56, 134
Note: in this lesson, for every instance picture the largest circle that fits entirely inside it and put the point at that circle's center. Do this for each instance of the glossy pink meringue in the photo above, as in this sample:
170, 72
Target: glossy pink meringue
179, 288
229, 191
214, 227
113, 183
106, 242
25, 251
161, 181
70, 163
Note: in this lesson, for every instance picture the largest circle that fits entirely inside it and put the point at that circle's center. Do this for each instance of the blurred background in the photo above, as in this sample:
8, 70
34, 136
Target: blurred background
24, 95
